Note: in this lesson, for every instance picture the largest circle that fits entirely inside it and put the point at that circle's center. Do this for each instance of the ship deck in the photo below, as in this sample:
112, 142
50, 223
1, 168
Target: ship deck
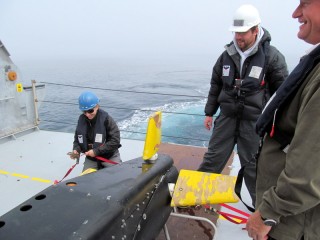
31, 162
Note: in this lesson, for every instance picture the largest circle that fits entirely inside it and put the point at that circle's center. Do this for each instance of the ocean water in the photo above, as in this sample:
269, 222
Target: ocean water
130, 90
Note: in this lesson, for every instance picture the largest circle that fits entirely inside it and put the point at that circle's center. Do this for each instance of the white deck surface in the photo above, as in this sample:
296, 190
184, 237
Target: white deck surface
228, 230
31, 163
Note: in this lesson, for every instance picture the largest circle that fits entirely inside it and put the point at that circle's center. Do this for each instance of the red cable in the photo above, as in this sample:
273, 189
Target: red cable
230, 217
235, 210
105, 160
68, 172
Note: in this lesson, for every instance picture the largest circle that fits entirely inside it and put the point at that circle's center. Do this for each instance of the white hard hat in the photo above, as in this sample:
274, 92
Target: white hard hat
245, 17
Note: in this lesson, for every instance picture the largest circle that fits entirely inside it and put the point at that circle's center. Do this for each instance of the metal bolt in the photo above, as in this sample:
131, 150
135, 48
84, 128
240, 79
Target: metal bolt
85, 222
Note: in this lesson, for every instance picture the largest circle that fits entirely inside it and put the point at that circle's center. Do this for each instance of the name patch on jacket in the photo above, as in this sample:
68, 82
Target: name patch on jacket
255, 72
225, 70
98, 138
80, 138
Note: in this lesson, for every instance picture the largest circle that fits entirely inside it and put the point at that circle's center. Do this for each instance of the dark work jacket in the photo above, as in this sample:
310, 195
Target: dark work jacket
262, 73
251, 94
102, 132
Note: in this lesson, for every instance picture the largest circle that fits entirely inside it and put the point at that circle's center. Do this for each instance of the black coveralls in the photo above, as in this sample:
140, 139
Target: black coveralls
241, 105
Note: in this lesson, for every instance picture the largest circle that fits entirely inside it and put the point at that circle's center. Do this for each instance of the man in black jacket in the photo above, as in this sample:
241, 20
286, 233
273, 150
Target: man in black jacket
243, 78
97, 134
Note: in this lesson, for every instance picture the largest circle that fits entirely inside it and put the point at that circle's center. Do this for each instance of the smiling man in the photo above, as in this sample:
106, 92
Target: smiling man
288, 170
243, 78
96, 135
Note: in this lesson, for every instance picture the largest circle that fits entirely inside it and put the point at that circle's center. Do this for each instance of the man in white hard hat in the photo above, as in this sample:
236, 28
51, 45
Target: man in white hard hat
243, 78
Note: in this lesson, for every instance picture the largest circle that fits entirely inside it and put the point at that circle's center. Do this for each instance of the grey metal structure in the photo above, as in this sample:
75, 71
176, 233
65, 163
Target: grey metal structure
18, 103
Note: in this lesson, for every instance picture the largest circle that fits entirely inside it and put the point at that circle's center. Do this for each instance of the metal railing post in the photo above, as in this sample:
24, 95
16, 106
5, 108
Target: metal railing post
35, 102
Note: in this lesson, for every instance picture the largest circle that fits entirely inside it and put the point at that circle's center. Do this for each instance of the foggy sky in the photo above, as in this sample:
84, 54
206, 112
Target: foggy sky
32, 29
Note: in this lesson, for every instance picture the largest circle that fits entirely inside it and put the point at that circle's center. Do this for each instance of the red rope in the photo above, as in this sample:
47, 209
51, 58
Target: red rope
231, 217
68, 172
105, 160
235, 210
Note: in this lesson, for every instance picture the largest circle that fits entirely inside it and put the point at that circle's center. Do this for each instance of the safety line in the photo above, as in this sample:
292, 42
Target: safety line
123, 108
123, 90
18, 175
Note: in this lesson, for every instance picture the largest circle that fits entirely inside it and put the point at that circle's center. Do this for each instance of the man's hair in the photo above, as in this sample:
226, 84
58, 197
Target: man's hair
254, 28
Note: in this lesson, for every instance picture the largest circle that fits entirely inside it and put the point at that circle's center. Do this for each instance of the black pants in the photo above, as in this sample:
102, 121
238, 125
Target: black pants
222, 144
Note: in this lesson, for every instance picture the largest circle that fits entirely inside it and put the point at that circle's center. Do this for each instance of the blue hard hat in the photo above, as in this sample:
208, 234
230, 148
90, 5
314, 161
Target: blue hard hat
87, 100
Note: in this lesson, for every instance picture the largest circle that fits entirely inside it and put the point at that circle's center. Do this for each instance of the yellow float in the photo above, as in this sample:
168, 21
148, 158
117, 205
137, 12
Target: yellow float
198, 188
153, 136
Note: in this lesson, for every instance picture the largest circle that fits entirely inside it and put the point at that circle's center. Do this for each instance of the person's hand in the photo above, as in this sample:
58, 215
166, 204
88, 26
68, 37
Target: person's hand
90, 153
208, 122
74, 154
257, 230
